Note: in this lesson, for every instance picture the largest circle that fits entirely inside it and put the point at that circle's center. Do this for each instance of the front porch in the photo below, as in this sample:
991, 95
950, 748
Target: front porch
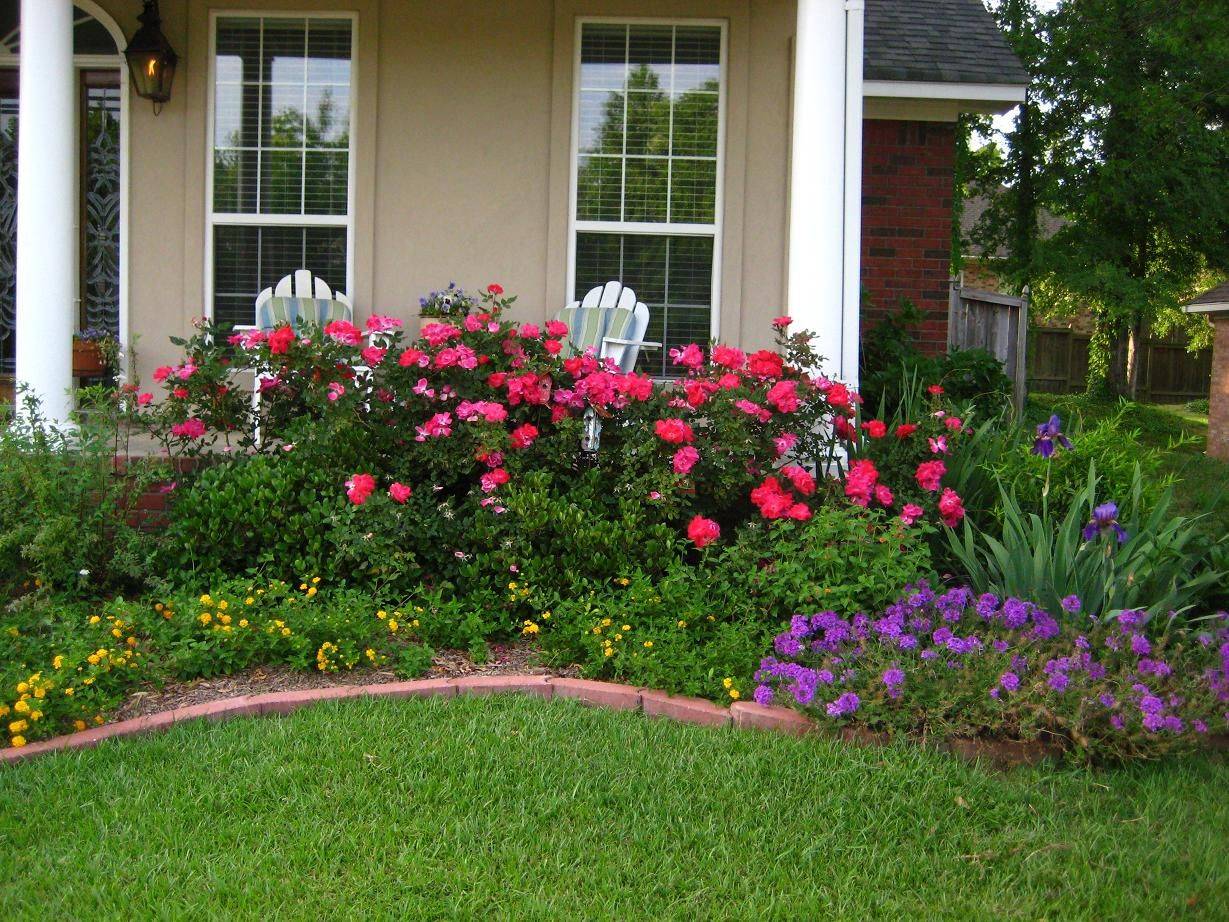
671, 152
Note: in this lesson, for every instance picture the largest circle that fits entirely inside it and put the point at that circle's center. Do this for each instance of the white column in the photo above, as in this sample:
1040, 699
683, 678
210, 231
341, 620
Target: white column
46, 238
825, 180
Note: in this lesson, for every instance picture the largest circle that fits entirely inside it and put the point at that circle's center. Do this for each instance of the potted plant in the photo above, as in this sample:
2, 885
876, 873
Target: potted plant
95, 353
451, 302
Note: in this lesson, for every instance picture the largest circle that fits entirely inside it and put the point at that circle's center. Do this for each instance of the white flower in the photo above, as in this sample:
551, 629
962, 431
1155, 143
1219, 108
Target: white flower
83, 572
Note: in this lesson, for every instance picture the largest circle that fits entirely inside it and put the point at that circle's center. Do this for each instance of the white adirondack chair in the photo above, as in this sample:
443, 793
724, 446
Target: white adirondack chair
299, 284
302, 284
610, 321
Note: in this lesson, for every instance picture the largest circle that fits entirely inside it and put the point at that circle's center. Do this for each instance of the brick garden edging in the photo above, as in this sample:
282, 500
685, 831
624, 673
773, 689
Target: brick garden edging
610, 695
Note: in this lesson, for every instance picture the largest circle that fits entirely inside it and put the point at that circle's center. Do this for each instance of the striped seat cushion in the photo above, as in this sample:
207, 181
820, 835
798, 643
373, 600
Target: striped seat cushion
589, 326
277, 312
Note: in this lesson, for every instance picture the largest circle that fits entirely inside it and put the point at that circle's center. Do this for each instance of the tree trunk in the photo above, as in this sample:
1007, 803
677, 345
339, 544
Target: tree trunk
1135, 355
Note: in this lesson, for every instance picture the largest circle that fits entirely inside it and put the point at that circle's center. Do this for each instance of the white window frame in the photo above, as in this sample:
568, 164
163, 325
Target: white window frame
230, 219
644, 228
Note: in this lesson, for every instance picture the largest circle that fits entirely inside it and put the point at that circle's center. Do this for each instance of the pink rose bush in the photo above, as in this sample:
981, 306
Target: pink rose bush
475, 402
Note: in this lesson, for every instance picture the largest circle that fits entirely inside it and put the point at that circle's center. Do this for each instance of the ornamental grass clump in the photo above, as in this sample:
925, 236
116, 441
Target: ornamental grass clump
955, 664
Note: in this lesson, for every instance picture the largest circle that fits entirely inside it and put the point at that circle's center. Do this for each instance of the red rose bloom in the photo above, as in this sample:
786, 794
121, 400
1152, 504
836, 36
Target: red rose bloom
904, 430
674, 431
929, 474
765, 364
875, 428
702, 531
951, 508
280, 340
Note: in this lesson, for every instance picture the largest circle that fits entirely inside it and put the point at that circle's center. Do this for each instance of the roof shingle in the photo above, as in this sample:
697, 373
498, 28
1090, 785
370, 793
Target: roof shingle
937, 41
1217, 295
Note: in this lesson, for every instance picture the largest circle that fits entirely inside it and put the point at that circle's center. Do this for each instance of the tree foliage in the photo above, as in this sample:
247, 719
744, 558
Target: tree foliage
1123, 136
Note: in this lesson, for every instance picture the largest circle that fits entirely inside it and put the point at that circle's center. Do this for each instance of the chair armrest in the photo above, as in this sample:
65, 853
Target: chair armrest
631, 342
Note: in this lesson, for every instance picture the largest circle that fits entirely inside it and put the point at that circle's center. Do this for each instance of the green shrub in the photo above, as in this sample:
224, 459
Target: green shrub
254, 513
695, 628
65, 511
844, 558
892, 365
1046, 557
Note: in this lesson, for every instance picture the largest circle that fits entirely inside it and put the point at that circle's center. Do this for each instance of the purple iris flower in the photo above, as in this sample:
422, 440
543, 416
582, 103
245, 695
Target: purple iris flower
1047, 434
1104, 518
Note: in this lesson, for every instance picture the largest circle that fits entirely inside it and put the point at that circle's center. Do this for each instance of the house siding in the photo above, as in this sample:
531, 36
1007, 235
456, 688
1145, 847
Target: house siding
908, 168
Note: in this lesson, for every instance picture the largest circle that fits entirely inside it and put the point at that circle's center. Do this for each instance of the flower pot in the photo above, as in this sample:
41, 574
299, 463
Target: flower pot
87, 360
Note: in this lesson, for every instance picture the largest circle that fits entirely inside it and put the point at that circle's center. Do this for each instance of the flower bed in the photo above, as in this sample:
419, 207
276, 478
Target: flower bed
478, 483
954, 665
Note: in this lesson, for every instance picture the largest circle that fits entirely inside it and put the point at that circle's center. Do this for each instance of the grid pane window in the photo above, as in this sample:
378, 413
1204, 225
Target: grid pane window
281, 146
648, 115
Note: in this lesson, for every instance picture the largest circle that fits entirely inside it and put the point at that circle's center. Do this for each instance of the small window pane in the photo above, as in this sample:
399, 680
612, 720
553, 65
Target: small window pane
284, 51
695, 125
235, 183
281, 182
603, 57
326, 185
697, 59
328, 116
693, 185
282, 116
645, 190
650, 53
648, 123
601, 122
328, 51
599, 188
235, 119
238, 46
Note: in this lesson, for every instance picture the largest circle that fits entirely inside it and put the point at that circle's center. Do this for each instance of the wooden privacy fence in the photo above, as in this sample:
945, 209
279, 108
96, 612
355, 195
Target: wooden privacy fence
995, 322
1169, 373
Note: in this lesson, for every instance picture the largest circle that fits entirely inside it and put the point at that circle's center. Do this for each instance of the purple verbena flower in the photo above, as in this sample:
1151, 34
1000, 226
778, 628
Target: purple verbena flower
1070, 604
845, 705
762, 695
1010, 681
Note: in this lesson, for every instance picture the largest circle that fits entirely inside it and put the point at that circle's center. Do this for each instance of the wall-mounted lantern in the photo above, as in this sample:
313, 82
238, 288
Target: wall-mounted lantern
151, 59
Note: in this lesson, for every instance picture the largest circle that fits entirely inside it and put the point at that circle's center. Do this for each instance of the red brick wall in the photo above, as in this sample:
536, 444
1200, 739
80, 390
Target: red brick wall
907, 174
1218, 408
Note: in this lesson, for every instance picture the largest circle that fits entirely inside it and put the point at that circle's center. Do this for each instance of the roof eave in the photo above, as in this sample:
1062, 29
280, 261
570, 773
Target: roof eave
1001, 95
1207, 307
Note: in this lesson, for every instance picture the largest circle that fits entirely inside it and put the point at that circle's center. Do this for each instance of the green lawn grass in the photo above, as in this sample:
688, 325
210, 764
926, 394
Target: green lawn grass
515, 808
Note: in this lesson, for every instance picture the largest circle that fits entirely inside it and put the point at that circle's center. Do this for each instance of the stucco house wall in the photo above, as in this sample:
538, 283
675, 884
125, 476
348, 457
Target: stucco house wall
462, 148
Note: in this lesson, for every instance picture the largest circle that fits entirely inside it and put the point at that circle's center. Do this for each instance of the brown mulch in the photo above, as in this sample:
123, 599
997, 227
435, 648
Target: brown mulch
513, 659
